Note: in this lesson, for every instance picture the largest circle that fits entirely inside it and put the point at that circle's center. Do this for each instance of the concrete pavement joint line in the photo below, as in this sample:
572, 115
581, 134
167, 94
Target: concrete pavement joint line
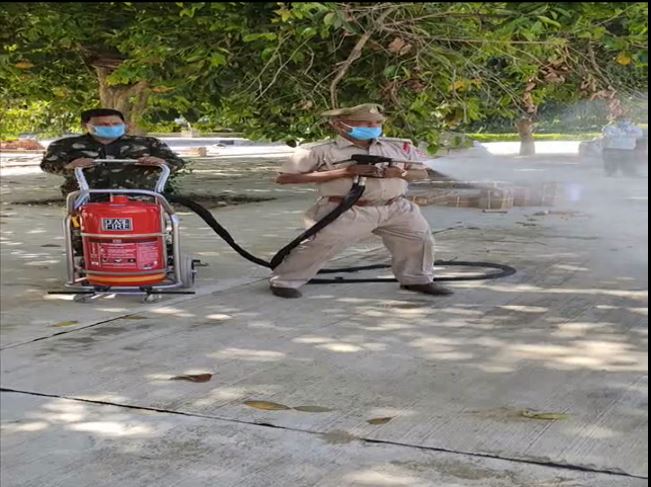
65, 332
550, 464
200, 294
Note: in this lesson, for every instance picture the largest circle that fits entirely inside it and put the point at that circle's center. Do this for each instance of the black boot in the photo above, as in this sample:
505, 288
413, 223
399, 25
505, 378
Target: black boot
285, 292
429, 288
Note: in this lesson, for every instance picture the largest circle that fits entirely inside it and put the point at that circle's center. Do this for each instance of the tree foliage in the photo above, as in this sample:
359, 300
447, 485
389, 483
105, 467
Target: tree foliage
267, 69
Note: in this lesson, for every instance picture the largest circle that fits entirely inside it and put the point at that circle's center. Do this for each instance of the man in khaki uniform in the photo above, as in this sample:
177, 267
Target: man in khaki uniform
382, 210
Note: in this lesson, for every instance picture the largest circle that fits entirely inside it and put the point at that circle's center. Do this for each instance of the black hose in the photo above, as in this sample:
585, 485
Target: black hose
346, 204
354, 194
206, 216
503, 271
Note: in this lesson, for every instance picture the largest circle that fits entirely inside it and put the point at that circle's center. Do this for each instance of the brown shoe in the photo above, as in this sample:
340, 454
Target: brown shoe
429, 288
285, 292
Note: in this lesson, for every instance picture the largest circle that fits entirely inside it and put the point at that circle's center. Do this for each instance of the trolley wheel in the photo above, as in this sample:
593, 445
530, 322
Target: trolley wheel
188, 272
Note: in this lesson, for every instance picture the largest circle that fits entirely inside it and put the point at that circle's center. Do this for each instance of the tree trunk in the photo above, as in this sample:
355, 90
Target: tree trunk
525, 130
131, 100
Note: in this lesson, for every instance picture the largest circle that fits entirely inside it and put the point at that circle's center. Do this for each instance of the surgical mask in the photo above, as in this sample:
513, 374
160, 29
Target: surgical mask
109, 131
364, 133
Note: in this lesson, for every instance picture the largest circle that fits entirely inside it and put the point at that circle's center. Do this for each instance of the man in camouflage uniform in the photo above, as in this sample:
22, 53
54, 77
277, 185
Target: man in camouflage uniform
106, 139
382, 210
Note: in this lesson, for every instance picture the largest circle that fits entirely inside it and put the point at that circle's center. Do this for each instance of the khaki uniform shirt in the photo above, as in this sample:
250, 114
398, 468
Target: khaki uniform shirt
324, 156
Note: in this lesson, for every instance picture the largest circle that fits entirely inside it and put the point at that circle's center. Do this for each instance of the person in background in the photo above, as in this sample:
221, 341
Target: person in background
620, 140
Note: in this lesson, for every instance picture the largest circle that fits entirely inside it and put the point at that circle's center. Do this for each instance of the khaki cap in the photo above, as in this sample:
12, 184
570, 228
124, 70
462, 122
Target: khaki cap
366, 112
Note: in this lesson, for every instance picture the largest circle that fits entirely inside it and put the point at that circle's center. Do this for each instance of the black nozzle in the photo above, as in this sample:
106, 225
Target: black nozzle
369, 159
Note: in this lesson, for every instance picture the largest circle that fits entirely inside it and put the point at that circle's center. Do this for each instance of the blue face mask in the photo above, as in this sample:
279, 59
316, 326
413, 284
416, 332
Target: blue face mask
365, 133
110, 131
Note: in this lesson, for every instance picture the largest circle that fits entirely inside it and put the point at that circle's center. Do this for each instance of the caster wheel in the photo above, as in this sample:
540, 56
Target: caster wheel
188, 272
152, 298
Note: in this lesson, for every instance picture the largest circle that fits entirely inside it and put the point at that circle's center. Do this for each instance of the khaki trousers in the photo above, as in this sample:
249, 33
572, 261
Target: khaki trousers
402, 227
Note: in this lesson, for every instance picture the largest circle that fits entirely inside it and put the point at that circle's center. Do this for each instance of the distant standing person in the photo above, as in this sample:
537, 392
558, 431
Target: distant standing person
620, 139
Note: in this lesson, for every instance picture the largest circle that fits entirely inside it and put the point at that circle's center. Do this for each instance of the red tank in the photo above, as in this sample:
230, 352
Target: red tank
124, 242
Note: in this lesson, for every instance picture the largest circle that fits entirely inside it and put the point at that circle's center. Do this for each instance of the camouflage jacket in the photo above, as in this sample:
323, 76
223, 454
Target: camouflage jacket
63, 151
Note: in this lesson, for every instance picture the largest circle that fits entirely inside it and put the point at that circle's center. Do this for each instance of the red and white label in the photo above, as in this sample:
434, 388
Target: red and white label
124, 256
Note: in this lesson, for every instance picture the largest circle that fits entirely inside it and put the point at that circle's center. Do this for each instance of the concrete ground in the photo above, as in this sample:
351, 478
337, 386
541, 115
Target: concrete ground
539, 379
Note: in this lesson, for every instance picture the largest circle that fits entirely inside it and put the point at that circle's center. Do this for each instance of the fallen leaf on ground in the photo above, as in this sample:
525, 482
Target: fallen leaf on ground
543, 415
193, 377
266, 405
61, 324
312, 409
379, 420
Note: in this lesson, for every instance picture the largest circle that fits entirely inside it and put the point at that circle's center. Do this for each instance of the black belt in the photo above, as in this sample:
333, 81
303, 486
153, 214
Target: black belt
339, 199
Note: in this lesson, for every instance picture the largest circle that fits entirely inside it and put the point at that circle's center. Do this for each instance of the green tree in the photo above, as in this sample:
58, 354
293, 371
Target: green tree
267, 69
128, 56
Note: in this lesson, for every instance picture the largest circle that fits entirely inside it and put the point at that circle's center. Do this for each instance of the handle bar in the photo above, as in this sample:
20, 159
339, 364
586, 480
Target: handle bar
84, 193
160, 184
